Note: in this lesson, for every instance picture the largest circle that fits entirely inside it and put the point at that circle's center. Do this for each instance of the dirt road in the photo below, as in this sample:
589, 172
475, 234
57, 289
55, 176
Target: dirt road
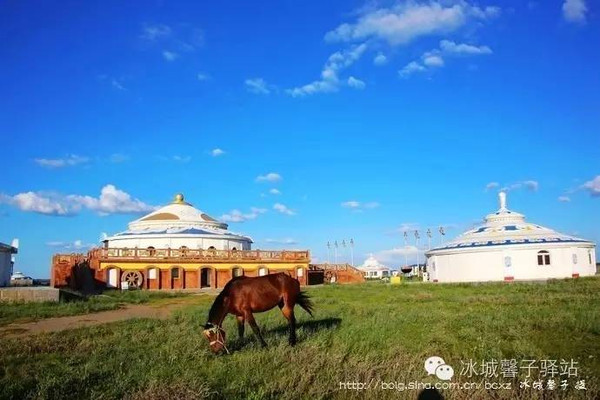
129, 311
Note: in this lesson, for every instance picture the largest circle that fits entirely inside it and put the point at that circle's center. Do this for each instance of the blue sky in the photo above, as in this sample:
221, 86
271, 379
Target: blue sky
367, 118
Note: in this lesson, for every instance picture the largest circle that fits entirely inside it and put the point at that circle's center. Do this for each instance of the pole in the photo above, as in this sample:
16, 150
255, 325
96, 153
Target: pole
328, 252
405, 249
429, 238
352, 252
335, 247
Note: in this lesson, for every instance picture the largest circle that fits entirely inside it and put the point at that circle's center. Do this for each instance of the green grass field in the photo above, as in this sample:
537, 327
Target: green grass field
369, 333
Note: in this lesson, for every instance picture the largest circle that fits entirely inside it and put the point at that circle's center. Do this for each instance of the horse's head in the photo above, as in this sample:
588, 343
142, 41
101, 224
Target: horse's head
216, 337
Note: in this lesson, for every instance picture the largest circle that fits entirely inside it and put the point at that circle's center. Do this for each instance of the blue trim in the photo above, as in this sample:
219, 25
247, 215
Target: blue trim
491, 243
192, 231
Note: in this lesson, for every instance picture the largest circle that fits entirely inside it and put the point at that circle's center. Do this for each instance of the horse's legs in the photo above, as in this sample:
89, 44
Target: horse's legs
255, 328
288, 312
240, 323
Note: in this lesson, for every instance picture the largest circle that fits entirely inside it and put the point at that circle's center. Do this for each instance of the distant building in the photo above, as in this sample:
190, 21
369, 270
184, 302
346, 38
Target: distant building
6, 263
373, 269
175, 247
506, 248
19, 279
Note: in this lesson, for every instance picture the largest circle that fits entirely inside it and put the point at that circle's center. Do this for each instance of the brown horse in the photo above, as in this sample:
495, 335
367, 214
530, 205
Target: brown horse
243, 296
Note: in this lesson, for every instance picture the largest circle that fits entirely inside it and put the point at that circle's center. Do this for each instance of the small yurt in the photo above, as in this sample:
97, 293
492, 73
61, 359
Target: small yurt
507, 247
373, 269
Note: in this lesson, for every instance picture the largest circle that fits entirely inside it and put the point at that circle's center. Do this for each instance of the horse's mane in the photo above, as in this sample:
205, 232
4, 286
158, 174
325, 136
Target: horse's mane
217, 305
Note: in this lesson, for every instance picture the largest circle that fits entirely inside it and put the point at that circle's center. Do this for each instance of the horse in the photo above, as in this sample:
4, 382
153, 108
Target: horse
242, 296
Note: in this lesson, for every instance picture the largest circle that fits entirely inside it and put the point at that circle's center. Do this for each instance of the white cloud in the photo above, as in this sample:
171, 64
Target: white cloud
237, 216
406, 21
275, 191
529, 185
117, 84
76, 245
270, 177
110, 201
201, 76
410, 69
397, 255
170, 55
283, 209
564, 199
257, 86
282, 241
182, 159
38, 202
380, 59
450, 47
330, 82
68, 161
358, 206
356, 83
574, 10
217, 152
433, 60
492, 185
153, 32
351, 204
593, 186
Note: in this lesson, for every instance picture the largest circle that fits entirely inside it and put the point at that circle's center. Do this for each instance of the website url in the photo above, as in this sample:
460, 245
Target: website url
376, 384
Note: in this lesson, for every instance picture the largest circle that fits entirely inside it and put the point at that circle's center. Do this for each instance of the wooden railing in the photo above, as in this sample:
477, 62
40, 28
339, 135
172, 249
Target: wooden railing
200, 255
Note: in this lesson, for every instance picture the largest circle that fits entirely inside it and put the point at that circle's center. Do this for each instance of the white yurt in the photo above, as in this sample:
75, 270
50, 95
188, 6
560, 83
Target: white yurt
507, 247
178, 225
373, 269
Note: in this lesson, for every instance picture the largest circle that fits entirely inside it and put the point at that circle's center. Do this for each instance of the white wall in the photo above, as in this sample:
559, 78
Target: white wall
480, 266
175, 243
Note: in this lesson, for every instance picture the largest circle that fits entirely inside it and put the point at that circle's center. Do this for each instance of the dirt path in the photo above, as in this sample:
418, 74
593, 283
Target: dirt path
159, 311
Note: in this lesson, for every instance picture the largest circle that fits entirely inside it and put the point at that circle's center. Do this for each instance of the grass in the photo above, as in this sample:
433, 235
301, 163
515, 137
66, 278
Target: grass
110, 300
363, 333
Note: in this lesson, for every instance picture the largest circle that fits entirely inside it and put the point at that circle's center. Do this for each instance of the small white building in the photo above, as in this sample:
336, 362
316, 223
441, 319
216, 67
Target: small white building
373, 269
6, 263
506, 248
178, 226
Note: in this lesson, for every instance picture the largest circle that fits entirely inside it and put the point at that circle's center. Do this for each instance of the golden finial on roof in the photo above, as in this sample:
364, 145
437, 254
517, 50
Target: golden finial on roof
179, 199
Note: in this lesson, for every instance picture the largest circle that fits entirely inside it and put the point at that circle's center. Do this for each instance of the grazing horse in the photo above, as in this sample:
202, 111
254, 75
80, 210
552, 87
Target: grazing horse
244, 296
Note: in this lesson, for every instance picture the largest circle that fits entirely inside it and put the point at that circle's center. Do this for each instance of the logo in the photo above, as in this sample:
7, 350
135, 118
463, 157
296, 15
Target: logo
437, 366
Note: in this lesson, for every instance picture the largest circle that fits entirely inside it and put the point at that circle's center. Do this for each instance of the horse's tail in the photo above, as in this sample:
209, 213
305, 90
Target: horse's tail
303, 300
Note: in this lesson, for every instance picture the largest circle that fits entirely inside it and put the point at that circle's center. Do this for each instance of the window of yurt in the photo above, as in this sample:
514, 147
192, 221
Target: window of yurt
508, 261
574, 258
543, 258
262, 271
175, 273
299, 272
237, 272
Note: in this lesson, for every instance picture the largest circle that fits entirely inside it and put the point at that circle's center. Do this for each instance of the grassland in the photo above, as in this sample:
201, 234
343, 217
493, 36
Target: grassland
361, 333
110, 300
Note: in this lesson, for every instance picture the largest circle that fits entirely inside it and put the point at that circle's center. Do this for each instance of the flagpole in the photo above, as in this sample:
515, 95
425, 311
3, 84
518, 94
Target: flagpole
335, 247
352, 252
405, 249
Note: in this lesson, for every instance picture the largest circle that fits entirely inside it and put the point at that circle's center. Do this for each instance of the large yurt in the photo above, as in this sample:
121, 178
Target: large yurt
178, 225
506, 248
